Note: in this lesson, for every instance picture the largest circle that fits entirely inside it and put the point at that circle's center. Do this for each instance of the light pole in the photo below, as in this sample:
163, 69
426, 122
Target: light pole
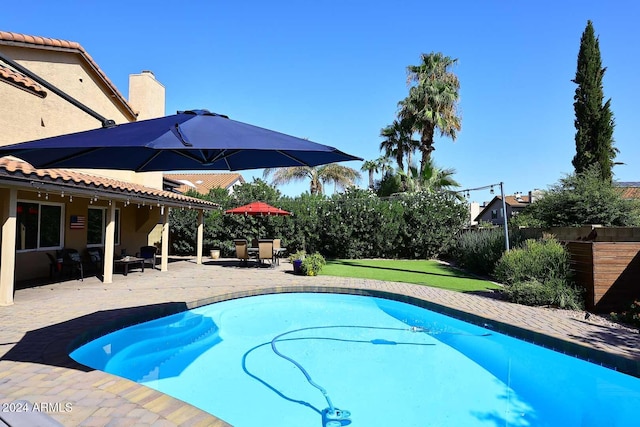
504, 208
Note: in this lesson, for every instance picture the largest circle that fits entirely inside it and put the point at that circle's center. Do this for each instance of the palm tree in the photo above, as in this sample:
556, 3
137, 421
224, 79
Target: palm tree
381, 164
341, 176
398, 142
432, 102
431, 178
370, 166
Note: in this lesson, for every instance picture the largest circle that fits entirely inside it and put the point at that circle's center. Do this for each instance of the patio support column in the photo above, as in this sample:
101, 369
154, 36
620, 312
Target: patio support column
109, 244
164, 258
8, 249
200, 239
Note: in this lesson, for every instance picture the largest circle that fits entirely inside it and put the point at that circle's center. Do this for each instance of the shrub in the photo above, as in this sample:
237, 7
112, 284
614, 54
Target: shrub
297, 255
555, 292
312, 264
537, 273
542, 260
631, 316
478, 251
530, 292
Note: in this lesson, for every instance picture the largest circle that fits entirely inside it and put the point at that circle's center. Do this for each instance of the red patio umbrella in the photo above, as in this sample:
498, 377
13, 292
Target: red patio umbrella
257, 208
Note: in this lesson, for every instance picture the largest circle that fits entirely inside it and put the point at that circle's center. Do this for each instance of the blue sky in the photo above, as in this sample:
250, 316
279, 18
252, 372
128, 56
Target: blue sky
333, 70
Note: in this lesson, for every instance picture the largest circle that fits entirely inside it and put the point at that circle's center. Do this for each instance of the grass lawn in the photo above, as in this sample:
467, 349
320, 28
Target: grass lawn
419, 272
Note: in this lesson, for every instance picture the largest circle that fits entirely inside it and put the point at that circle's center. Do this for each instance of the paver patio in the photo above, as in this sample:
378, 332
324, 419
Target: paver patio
37, 330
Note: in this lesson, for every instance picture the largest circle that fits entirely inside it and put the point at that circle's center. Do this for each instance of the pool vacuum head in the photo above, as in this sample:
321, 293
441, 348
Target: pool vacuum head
334, 417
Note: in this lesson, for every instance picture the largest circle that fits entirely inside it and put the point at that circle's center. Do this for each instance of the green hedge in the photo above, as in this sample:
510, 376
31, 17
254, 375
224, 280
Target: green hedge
353, 224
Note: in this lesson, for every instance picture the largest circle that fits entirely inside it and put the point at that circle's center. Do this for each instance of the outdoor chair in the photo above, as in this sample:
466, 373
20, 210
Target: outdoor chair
265, 252
95, 258
149, 254
242, 251
278, 251
53, 265
72, 262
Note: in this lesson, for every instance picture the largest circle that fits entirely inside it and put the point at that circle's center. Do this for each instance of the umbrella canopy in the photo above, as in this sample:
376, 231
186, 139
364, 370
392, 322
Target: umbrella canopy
188, 140
257, 208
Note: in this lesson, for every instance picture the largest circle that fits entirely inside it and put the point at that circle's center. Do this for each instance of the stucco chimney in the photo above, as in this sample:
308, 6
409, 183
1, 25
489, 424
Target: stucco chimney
146, 95
535, 195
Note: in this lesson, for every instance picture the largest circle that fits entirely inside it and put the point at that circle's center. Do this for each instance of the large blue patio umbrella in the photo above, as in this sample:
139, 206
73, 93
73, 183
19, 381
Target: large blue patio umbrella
188, 140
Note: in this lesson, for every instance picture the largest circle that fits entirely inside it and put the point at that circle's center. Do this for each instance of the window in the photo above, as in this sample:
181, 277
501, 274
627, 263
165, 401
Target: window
97, 226
494, 214
38, 226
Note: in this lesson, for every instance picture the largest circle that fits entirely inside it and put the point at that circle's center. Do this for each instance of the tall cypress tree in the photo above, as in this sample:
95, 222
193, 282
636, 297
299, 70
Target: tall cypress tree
594, 120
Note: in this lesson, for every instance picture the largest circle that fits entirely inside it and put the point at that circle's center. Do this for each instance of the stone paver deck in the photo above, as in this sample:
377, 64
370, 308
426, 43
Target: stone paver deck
45, 321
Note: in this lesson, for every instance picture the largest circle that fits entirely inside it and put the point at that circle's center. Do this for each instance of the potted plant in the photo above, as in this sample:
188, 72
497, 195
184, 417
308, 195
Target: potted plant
296, 259
214, 252
312, 264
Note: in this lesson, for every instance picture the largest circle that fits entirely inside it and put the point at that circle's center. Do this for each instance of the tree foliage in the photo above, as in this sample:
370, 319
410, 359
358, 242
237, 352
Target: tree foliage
332, 173
594, 121
353, 224
583, 198
430, 179
432, 103
398, 142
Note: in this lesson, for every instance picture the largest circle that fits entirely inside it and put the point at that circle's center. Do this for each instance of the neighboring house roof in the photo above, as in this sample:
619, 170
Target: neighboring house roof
19, 171
203, 182
37, 42
517, 202
630, 190
21, 81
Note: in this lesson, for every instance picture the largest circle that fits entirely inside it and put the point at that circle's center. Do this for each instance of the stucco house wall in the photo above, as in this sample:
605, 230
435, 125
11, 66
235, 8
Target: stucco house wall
26, 116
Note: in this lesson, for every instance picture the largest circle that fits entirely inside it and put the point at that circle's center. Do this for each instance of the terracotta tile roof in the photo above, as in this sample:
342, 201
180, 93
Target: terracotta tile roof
20, 80
16, 39
513, 200
69, 179
628, 190
203, 182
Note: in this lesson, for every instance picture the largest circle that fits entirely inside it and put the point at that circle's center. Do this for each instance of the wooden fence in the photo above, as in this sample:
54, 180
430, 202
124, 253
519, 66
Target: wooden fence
609, 272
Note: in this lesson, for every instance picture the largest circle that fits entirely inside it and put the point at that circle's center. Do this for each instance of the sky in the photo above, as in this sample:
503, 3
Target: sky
333, 71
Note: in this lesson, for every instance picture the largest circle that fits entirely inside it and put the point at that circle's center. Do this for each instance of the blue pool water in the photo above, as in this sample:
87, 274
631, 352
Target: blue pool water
298, 359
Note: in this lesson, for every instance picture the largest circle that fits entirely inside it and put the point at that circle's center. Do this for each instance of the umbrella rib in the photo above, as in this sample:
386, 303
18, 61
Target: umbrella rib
202, 158
59, 160
295, 159
147, 161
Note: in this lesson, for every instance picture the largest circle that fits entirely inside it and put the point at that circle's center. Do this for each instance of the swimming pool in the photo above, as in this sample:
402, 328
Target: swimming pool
335, 360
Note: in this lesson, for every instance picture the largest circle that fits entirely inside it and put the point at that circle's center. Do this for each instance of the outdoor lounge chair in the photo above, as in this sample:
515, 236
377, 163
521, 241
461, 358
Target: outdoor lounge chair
53, 265
265, 251
72, 262
242, 251
95, 258
148, 253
